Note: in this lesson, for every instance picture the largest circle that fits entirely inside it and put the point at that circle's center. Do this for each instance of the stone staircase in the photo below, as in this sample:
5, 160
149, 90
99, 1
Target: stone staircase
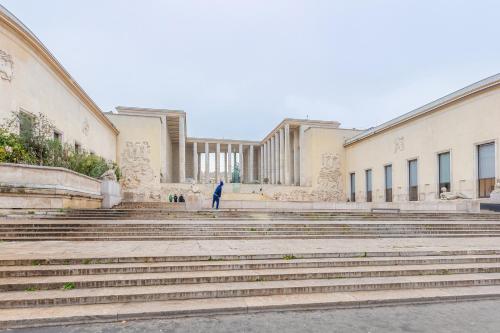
201, 267
49, 230
246, 214
39, 292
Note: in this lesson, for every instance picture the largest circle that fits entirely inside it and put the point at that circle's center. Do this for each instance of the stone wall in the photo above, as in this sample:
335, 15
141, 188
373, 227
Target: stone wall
28, 186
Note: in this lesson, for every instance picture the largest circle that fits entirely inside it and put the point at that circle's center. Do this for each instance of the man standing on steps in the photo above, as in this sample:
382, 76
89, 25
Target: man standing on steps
217, 194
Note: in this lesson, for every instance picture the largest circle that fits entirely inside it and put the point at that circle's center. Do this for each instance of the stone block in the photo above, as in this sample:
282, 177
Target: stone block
111, 193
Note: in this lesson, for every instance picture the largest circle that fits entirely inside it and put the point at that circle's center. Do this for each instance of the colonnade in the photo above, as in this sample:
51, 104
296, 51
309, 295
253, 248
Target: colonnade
276, 160
228, 154
280, 151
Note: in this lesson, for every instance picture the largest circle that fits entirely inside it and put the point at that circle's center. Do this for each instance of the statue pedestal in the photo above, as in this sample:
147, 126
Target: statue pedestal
495, 196
194, 201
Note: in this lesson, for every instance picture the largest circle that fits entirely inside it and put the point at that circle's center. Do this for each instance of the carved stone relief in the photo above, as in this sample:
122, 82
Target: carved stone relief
399, 144
329, 184
6, 66
135, 165
85, 127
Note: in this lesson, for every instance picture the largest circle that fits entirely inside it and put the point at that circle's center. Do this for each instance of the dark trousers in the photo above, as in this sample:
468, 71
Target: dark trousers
215, 199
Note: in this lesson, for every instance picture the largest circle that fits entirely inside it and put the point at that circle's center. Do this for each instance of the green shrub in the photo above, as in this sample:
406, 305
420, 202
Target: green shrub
12, 149
35, 145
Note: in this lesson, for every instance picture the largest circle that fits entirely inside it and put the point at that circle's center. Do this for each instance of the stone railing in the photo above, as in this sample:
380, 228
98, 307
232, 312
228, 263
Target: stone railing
31, 186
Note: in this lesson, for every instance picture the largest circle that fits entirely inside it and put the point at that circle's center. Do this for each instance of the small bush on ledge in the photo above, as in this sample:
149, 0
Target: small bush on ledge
30, 141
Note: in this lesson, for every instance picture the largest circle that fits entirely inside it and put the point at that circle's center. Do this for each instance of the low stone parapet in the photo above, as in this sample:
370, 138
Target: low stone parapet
31, 186
467, 206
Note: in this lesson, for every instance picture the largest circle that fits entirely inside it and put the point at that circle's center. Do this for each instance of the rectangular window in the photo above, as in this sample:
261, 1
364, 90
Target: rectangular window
444, 172
353, 187
486, 169
412, 180
57, 136
369, 185
388, 183
25, 124
78, 147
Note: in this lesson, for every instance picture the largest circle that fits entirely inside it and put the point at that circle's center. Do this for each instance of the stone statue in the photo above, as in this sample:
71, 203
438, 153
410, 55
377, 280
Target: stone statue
445, 195
194, 188
109, 175
495, 194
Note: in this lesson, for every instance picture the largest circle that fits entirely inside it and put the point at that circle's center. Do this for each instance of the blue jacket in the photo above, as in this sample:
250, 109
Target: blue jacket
218, 190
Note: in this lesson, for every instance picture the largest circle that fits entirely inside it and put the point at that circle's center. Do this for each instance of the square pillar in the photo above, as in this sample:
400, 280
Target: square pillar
195, 161
217, 163
265, 161
182, 150
250, 164
225, 167
296, 158
163, 150
261, 164
302, 152
207, 163
286, 149
229, 164
277, 157
242, 163
272, 178
198, 175
282, 156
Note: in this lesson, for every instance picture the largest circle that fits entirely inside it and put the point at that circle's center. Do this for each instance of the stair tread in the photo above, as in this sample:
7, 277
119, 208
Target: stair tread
124, 311
241, 262
185, 288
238, 273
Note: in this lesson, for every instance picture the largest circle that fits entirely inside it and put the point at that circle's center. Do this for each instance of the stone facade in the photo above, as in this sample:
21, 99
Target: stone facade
299, 160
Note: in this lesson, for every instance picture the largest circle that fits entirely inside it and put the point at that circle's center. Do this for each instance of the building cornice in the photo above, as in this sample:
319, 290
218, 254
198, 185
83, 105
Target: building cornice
14, 24
458, 95
298, 122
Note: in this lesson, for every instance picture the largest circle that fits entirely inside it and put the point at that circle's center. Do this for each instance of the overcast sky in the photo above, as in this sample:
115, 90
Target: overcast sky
239, 67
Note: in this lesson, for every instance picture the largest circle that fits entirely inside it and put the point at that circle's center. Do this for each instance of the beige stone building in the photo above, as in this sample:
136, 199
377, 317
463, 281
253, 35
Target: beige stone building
450, 143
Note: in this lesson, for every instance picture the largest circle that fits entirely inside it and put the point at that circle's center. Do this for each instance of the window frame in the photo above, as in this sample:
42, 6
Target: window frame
412, 196
386, 189
438, 154
369, 194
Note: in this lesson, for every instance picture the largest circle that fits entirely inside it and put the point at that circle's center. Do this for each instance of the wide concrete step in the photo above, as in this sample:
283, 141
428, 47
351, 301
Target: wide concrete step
84, 314
245, 226
252, 233
23, 299
249, 237
92, 267
179, 278
404, 254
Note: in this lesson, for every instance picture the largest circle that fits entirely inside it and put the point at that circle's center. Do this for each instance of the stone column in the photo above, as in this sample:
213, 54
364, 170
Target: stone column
199, 177
217, 163
163, 149
250, 164
272, 171
296, 159
261, 163
182, 150
288, 180
265, 161
282, 156
225, 167
207, 163
302, 175
269, 159
277, 157
229, 164
242, 163
195, 161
